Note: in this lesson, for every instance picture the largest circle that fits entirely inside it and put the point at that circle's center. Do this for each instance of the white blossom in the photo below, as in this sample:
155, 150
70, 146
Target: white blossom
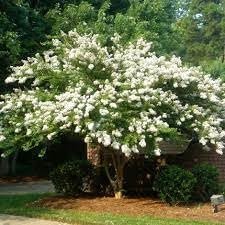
51, 135
77, 130
103, 112
157, 152
17, 130
126, 150
91, 66
29, 132
116, 145
142, 143
87, 139
10, 80
45, 127
2, 138
91, 126
106, 140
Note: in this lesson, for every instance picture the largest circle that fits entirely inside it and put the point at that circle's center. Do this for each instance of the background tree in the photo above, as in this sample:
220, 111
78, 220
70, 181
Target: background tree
203, 31
152, 20
22, 32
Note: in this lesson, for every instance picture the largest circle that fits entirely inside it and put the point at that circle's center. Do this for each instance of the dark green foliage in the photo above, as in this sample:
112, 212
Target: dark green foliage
10, 47
203, 31
152, 20
71, 178
73, 16
174, 184
22, 30
207, 181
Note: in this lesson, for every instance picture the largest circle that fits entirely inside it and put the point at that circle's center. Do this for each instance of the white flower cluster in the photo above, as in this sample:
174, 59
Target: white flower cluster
2, 138
125, 98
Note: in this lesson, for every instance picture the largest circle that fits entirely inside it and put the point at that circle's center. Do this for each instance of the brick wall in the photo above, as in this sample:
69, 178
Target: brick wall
195, 155
94, 154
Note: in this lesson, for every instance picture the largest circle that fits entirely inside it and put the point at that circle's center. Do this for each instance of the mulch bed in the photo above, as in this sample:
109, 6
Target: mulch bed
18, 179
135, 207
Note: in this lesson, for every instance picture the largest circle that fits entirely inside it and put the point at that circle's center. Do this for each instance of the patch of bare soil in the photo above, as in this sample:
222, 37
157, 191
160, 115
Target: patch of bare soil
135, 207
18, 179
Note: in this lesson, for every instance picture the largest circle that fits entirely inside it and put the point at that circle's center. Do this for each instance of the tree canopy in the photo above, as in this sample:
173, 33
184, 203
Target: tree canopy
123, 97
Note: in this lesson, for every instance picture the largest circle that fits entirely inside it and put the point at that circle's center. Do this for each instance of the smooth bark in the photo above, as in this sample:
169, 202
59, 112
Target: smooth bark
119, 161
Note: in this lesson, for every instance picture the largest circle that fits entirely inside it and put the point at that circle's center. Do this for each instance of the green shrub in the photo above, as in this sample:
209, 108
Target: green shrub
174, 184
207, 181
73, 177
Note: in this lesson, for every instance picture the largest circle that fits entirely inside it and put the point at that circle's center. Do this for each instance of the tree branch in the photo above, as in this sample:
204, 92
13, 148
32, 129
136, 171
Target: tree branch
108, 175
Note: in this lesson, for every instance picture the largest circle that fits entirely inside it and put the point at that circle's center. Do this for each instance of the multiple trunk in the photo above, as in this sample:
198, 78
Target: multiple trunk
109, 158
118, 161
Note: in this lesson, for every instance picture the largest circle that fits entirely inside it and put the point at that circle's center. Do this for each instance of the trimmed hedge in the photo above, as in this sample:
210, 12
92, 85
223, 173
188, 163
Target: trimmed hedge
71, 178
174, 184
207, 181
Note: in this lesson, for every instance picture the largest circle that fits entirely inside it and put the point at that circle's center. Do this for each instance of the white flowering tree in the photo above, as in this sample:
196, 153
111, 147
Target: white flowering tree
123, 98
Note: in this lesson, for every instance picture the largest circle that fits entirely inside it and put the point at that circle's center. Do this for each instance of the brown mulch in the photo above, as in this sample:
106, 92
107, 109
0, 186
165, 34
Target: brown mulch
18, 179
135, 207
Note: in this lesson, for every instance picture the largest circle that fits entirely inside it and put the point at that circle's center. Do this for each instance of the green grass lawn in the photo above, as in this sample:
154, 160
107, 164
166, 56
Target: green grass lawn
21, 205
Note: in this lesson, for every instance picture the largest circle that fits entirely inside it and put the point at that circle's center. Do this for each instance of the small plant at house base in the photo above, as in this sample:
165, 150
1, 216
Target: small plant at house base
207, 181
70, 177
174, 184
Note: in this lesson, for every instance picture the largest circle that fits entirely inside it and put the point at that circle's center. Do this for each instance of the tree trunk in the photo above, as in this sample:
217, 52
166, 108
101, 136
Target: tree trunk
223, 56
119, 161
4, 166
13, 163
119, 195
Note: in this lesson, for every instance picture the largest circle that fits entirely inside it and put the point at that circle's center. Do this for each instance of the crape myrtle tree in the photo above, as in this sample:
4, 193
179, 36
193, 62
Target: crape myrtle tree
123, 98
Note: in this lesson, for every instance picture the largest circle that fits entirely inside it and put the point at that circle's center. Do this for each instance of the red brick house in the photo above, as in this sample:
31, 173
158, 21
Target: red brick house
195, 154
186, 157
